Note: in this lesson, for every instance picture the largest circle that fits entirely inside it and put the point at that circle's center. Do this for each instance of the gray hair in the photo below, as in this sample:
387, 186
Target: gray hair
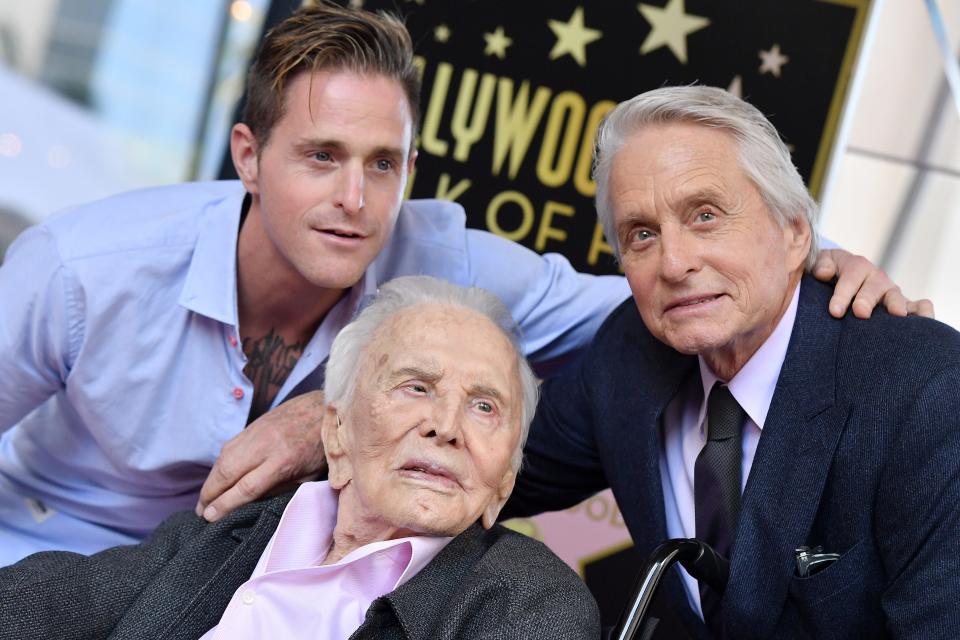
350, 345
763, 156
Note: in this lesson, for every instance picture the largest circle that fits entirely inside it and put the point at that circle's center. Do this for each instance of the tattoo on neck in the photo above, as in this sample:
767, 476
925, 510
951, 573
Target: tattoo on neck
269, 361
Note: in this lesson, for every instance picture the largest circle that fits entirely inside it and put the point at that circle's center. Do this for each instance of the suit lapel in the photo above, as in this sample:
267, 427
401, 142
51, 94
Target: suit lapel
208, 604
415, 602
630, 435
653, 375
789, 471
186, 599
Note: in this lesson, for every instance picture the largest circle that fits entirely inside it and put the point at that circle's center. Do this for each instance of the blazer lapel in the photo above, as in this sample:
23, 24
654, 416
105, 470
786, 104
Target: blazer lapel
186, 599
628, 427
632, 442
208, 604
789, 471
415, 603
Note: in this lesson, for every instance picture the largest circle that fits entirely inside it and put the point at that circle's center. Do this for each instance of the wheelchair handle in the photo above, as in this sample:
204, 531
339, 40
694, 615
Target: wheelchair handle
698, 558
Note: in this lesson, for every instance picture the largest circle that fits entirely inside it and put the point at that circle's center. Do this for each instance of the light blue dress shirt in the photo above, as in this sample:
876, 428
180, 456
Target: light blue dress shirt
121, 374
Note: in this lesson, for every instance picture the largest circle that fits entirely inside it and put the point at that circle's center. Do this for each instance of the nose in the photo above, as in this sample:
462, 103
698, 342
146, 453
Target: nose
679, 254
444, 423
350, 189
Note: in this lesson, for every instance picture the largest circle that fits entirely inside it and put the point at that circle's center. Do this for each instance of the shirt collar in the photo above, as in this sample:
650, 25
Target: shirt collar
361, 294
305, 533
210, 288
211, 284
755, 383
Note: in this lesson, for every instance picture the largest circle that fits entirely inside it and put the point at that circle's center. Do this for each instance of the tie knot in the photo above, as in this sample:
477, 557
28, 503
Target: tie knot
724, 414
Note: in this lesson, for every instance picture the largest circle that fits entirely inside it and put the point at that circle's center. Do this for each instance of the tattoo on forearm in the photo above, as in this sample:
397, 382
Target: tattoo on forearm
269, 361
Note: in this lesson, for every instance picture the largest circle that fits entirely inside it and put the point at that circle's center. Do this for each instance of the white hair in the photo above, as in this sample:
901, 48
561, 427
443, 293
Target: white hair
763, 156
350, 345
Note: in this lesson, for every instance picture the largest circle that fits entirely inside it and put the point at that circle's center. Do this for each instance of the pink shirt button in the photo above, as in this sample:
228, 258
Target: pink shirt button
232, 340
238, 393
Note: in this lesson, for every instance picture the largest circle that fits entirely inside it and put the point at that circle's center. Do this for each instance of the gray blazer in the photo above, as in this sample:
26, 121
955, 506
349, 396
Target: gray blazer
484, 584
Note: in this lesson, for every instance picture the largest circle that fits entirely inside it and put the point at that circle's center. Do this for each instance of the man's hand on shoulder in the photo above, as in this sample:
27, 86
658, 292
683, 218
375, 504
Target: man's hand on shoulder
276, 452
865, 285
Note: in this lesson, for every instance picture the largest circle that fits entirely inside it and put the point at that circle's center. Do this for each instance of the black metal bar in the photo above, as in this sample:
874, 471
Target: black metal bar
697, 557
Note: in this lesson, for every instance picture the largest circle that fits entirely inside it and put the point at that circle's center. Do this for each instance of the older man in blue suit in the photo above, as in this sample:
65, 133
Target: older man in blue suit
724, 402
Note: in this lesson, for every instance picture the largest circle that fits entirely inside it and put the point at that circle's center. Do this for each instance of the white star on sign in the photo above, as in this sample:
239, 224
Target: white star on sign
772, 60
497, 43
573, 37
671, 26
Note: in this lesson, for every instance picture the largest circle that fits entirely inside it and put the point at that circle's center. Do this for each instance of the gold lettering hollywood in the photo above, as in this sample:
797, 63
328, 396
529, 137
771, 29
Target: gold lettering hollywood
512, 111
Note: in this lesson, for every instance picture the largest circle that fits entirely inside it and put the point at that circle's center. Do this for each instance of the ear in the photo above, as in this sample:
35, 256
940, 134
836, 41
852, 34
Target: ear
412, 160
333, 433
797, 238
408, 180
492, 510
243, 151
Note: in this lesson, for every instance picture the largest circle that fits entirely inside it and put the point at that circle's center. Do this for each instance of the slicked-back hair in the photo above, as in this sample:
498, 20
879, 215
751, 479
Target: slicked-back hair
763, 156
327, 37
350, 345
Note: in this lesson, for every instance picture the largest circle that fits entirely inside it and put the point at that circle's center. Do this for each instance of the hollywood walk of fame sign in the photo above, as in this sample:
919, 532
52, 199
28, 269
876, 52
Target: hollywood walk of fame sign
514, 91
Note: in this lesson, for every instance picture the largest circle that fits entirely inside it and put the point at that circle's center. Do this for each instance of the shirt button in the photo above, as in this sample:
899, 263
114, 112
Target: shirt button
248, 597
232, 340
238, 393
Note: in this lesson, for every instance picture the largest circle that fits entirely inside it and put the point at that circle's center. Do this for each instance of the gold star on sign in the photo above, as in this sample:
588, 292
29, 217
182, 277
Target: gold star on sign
497, 43
671, 26
573, 37
441, 33
772, 60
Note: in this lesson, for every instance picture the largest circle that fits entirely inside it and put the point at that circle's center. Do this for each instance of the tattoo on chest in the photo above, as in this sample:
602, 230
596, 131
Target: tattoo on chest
269, 361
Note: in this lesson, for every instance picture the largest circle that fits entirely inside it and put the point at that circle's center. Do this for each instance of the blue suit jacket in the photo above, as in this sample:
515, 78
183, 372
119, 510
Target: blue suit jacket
860, 453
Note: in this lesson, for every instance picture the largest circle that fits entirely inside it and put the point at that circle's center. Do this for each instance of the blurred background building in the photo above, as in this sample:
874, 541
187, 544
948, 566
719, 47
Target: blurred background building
100, 96
894, 192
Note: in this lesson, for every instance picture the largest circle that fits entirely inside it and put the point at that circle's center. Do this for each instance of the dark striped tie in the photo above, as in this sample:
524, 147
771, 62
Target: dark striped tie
716, 487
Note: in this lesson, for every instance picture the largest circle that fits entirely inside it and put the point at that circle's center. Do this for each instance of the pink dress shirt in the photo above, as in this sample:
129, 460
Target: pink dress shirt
684, 425
290, 595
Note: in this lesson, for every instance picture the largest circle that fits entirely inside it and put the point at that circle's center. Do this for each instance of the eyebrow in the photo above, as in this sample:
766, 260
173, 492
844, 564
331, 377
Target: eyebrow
692, 199
487, 390
315, 143
433, 375
705, 194
427, 375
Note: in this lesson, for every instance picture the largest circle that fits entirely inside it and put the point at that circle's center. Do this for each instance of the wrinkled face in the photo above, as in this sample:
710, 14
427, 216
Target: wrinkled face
329, 181
435, 418
710, 269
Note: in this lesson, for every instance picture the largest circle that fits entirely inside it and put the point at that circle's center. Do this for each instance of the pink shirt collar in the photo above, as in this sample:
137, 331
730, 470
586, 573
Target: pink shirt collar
291, 595
305, 532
